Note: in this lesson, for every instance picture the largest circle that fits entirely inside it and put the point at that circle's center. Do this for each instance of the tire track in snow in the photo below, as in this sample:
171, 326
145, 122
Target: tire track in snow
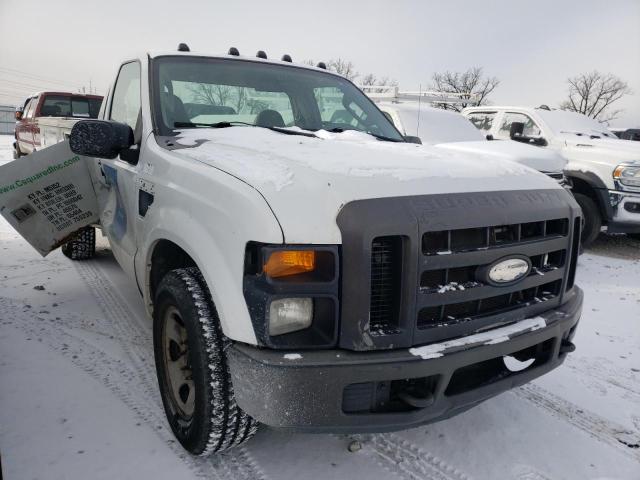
101, 366
625, 440
238, 463
407, 460
527, 472
597, 369
137, 342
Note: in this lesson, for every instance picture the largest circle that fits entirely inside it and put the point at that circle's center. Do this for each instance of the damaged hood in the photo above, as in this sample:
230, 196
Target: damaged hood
307, 180
535, 157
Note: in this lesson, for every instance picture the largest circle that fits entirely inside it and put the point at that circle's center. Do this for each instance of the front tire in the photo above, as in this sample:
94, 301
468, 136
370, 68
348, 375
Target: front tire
193, 375
592, 222
82, 246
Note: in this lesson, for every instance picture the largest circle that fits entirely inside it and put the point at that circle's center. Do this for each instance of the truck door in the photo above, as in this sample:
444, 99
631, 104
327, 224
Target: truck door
24, 130
117, 195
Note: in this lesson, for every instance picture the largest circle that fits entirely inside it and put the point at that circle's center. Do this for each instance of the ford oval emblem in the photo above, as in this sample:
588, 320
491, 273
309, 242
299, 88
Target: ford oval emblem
506, 271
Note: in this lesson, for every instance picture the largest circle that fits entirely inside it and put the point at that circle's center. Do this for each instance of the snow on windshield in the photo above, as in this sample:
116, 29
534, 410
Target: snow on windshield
436, 125
560, 121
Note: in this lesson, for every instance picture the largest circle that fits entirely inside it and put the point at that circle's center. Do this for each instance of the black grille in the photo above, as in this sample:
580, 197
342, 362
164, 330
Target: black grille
386, 261
427, 259
467, 239
575, 250
453, 295
441, 316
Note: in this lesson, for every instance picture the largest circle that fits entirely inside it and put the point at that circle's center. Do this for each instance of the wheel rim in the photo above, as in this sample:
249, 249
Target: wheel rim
175, 349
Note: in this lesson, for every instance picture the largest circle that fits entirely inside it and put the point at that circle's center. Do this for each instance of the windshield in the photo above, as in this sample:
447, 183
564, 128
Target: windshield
192, 92
562, 122
70, 106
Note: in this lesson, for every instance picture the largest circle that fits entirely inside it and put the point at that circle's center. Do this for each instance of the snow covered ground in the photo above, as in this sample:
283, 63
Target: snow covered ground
78, 394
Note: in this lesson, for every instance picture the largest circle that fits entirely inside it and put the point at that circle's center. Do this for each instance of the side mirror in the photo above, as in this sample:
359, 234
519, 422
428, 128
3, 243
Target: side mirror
410, 139
19, 114
100, 138
516, 130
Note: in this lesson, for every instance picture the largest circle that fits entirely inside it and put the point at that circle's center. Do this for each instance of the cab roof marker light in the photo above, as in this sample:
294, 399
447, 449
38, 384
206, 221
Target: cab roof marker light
183, 47
322, 65
233, 51
286, 58
261, 54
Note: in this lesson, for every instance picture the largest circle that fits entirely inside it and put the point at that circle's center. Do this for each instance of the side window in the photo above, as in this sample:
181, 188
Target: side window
530, 127
482, 120
125, 104
28, 110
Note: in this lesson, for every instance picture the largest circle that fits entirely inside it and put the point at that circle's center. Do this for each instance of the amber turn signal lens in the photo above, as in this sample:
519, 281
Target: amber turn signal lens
290, 262
618, 171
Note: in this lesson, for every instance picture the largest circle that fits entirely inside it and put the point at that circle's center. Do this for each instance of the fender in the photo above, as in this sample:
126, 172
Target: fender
591, 178
222, 271
599, 187
214, 242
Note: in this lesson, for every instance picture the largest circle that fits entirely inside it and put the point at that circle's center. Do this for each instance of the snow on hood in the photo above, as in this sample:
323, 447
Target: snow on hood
534, 157
307, 180
611, 151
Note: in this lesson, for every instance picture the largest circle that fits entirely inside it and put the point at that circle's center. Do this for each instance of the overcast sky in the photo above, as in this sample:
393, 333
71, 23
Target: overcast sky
532, 47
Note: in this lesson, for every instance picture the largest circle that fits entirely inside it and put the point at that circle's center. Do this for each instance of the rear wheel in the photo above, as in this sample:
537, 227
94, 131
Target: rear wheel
195, 383
82, 246
16, 151
592, 222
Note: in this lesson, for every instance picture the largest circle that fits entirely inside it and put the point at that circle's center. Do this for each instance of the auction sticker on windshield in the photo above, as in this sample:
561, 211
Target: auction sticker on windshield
47, 196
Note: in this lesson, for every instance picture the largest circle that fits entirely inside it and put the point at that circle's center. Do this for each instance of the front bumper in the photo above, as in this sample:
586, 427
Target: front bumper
306, 391
623, 212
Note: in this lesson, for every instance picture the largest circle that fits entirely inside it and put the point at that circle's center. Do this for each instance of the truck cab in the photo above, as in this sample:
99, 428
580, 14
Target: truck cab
46, 118
604, 170
306, 266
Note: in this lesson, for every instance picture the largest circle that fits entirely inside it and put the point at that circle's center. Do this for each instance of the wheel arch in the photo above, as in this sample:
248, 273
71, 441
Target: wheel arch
168, 252
592, 186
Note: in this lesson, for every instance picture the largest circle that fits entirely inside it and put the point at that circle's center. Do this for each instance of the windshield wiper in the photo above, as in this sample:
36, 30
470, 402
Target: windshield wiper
210, 125
379, 137
234, 123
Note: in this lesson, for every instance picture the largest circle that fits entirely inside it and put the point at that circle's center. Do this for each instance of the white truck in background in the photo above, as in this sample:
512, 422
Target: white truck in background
603, 170
305, 265
450, 130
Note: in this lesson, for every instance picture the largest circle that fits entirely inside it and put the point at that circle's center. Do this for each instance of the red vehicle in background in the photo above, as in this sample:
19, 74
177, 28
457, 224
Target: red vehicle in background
47, 118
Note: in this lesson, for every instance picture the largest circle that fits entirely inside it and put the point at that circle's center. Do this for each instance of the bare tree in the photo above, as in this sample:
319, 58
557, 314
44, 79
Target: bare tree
471, 85
371, 80
593, 93
346, 68
210, 94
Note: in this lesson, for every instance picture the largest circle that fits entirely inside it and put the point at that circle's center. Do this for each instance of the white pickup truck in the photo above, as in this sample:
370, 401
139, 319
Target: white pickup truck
604, 170
306, 266
447, 129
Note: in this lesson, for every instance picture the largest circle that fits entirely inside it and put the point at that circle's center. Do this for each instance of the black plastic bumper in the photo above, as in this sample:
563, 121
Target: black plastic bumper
304, 391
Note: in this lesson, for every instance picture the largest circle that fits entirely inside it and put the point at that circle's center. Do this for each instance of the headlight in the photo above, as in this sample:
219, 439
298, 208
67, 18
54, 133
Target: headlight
627, 175
288, 315
292, 294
